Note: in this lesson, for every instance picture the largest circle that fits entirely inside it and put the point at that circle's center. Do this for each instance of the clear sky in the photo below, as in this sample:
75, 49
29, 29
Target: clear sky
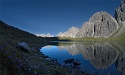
52, 16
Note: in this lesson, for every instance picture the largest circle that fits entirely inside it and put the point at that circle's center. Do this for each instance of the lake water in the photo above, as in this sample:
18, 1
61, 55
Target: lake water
101, 58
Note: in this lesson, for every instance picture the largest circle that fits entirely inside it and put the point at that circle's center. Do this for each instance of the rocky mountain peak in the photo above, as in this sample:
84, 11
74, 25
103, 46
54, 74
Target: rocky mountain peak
100, 16
70, 33
101, 24
120, 12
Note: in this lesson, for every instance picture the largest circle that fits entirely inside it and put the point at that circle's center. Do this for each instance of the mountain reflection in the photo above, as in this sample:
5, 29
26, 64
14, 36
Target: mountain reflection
100, 55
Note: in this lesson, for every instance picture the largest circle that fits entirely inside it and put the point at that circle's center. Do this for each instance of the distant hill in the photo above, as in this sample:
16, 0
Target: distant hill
10, 32
13, 59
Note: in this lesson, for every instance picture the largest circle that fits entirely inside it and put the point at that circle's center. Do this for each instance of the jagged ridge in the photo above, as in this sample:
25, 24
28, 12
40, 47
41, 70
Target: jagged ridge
102, 24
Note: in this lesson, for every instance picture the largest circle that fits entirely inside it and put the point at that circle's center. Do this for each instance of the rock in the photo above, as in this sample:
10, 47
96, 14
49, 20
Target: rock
24, 46
33, 49
70, 33
76, 62
46, 56
101, 24
68, 60
120, 12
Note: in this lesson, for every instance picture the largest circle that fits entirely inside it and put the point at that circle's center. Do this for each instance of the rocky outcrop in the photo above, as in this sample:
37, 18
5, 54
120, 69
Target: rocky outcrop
70, 33
101, 24
70, 60
120, 12
76, 62
120, 17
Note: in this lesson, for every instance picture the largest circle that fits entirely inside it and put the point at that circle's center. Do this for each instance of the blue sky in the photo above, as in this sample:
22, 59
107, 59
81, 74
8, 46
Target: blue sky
52, 16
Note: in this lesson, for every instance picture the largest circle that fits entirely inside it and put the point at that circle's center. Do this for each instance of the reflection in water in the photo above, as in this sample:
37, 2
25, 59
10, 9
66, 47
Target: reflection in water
72, 49
120, 63
100, 55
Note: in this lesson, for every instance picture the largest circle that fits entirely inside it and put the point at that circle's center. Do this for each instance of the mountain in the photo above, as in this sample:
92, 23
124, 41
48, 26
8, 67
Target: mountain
120, 17
120, 12
70, 33
44, 35
101, 24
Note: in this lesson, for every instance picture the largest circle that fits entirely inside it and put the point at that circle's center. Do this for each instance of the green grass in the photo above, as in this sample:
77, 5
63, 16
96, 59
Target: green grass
83, 39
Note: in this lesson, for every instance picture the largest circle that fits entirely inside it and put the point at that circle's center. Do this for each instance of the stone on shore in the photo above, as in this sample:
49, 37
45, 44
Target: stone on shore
24, 46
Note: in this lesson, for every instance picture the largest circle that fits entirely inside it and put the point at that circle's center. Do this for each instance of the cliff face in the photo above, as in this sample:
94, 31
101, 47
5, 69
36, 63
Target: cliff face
70, 33
101, 24
120, 12
120, 17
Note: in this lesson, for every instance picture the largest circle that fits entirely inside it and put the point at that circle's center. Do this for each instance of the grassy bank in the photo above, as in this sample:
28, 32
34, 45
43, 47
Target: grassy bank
121, 37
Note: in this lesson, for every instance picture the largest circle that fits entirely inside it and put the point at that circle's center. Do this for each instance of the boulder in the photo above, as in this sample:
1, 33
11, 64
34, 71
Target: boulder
76, 62
24, 46
68, 60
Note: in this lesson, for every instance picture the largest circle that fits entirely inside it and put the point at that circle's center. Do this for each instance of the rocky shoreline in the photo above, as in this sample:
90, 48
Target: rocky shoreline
32, 63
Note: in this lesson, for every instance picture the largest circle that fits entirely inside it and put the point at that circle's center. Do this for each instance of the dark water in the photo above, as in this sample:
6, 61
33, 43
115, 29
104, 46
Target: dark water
101, 58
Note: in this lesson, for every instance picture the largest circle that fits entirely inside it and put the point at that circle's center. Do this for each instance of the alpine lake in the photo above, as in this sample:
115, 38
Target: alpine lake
99, 58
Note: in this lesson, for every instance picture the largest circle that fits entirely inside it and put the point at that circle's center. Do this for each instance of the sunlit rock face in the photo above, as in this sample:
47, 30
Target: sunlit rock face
120, 12
101, 24
70, 33
120, 17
